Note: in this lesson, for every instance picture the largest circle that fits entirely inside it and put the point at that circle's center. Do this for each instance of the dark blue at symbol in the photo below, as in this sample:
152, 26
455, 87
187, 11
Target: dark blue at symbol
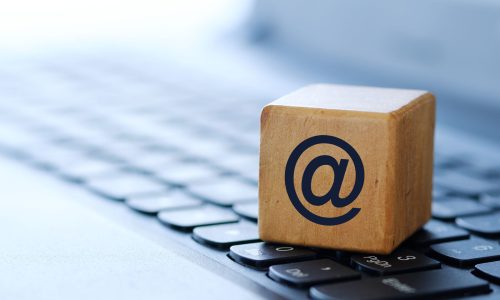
339, 170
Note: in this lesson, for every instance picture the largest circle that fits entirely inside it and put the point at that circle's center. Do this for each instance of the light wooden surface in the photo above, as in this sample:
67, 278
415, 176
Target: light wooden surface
391, 130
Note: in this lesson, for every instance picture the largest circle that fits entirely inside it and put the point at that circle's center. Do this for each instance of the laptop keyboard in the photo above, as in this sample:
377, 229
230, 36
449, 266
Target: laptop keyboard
190, 159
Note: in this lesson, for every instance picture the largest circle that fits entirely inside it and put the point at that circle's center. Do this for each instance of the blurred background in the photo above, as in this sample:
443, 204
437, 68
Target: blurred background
448, 47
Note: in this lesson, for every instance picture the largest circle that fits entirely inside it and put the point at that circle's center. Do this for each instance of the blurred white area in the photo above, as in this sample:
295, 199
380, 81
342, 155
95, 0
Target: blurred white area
26, 25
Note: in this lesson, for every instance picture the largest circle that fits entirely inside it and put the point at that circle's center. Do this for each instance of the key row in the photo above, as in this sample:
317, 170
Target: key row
464, 253
486, 225
221, 190
78, 157
228, 232
329, 279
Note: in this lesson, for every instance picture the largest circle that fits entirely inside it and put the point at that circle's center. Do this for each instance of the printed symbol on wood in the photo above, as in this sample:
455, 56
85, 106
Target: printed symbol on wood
339, 170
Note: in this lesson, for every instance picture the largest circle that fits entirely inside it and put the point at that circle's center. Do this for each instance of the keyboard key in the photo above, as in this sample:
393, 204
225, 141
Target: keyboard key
400, 261
465, 184
90, 168
437, 232
241, 163
225, 191
448, 162
189, 218
225, 235
421, 285
247, 210
457, 207
312, 272
154, 161
262, 255
439, 193
492, 173
466, 253
486, 168
491, 200
340, 256
187, 173
53, 157
120, 186
489, 271
207, 147
169, 200
488, 225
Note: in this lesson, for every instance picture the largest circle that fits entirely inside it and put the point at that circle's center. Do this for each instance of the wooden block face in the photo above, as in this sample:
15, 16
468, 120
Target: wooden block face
327, 175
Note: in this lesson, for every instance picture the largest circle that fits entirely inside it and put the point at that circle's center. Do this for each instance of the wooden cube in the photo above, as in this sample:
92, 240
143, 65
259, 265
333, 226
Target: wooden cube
346, 167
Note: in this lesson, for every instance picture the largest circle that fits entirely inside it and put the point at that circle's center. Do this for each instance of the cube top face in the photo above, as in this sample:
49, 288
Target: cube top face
351, 98
339, 178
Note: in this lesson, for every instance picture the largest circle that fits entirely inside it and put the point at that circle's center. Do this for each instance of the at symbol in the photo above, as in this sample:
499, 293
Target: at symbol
333, 195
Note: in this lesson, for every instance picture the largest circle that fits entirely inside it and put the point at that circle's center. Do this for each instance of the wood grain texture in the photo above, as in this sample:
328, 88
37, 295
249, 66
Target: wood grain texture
394, 139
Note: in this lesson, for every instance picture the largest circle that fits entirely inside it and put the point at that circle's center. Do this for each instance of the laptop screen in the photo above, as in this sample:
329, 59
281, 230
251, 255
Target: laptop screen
442, 45
448, 47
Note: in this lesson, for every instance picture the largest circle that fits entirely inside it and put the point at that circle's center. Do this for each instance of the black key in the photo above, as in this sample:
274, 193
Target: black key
421, 285
121, 186
448, 162
488, 225
439, 192
225, 235
437, 232
247, 210
169, 200
485, 168
400, 261
491, 200
465, 184
467, 252
263, 255
457, 207
225, 191
340, 256
492, 173
312, 272
189, 218
489, 271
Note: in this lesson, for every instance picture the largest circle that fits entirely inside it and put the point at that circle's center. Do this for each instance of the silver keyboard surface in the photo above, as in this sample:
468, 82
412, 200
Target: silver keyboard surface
187, 155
